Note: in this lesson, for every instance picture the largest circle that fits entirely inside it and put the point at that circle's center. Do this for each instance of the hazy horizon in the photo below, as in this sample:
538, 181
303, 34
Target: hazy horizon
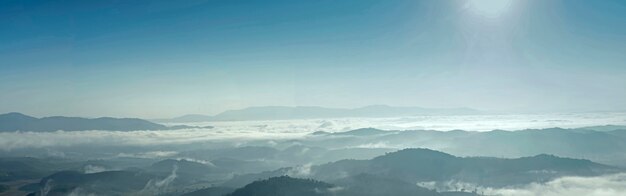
483, 112
155, 59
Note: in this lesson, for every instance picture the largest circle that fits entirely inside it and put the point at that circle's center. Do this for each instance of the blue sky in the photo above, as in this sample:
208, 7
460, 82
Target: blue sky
166, 58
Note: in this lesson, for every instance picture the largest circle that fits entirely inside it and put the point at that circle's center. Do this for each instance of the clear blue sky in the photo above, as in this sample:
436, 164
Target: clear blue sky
167, 58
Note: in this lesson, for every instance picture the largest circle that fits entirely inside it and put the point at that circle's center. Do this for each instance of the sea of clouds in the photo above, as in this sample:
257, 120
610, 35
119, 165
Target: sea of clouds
237, 131
608, 185
240, 132
605, 185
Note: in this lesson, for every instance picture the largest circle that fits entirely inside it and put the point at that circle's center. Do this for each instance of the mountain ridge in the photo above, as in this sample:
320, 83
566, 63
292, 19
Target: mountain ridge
422, 165
15, 121
313, 112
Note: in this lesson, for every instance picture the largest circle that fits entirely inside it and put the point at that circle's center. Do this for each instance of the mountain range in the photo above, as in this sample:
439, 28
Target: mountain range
395, 173
20, 122
312, 112
425, 165
604, 144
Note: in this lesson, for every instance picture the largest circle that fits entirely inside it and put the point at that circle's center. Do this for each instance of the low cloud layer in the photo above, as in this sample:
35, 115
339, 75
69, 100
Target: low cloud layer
609, 185
244, 130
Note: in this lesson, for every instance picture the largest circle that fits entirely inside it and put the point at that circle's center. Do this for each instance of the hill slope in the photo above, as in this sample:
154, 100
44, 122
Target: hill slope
424, 165
21, 122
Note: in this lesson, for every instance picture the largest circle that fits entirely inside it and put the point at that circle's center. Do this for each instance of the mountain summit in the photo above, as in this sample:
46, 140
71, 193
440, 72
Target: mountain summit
312, 112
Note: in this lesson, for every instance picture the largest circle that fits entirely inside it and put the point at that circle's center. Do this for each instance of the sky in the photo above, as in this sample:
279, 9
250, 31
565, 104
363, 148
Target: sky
156, 59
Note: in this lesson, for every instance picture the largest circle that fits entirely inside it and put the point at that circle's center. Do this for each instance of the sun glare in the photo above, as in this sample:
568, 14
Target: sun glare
489, 8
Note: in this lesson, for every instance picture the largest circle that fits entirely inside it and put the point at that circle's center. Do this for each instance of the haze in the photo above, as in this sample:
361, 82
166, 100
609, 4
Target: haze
313, 98
156, 59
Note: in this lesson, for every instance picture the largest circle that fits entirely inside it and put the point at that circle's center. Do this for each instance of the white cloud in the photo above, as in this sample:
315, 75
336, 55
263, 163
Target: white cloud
205, 162
608, 185
89, 169
381, 144
300, 171
155, 186
149, 155
80, 192
241, 131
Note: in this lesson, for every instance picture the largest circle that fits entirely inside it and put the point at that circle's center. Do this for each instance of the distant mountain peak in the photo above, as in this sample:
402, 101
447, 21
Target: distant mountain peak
418, 151
15, 114
415, 154
313, 112
363, 132
545, 156
20, 122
